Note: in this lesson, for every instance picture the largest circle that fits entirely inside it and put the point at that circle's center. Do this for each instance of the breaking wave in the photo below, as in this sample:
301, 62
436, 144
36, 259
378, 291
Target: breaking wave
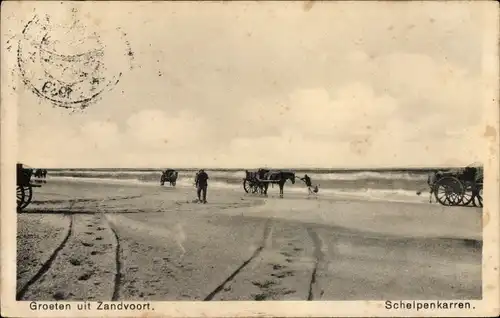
375, 185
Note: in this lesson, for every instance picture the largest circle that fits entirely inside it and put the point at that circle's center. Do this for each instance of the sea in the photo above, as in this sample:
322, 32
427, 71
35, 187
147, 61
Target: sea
392, 185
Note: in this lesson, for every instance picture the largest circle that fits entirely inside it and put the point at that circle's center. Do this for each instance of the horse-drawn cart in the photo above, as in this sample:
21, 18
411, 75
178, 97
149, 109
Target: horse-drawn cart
460, 187
259, 181
251, 182
24, 187
169, 175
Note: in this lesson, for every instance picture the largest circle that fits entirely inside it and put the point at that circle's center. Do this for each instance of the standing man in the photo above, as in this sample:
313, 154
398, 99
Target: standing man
201, 182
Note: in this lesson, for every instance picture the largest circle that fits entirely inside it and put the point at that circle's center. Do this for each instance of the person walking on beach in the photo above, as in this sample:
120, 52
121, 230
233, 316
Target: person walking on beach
431, 180
201, 182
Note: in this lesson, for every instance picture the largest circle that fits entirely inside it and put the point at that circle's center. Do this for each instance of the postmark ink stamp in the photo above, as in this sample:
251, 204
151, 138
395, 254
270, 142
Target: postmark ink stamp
67, 64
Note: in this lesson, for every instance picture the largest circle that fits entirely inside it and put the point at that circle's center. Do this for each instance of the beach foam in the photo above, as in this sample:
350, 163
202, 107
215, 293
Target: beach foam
361, 185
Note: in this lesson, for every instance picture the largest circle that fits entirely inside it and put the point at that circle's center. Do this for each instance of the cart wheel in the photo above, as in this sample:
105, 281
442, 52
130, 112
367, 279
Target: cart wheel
456, 196
20, 197
174, 183
449, 191
246, 186
28, 196
255, 188
480, 196
24, 196
468, 193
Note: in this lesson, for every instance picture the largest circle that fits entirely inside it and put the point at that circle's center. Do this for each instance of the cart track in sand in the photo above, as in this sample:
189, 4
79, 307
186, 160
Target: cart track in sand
84, 200
69, 214
267, 232
119, 265
322, 267
46, 266
314, 288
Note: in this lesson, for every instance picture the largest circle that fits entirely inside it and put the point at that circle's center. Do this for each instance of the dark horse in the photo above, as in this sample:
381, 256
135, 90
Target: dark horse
37, 173
275, 177
40, 173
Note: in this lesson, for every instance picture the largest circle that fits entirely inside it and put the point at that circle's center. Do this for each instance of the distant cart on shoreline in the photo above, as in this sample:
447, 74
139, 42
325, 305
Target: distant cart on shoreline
24, 190
170, 176
460, 187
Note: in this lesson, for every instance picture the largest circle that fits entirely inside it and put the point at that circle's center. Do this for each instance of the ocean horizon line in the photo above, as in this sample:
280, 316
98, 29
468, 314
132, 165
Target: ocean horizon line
321, 170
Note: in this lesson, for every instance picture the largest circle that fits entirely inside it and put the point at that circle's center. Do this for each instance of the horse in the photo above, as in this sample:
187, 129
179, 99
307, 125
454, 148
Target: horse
259, 176
276, 177
38, 173
432, 177
473, 177
431, 180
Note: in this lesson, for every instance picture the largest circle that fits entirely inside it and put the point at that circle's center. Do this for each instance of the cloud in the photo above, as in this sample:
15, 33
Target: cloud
409, 110
406, 109
351, 110
420, 82
154, 129
151, 136
396, 87
99, 135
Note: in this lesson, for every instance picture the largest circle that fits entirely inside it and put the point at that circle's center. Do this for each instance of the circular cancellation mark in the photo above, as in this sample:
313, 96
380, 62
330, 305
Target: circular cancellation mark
68, 65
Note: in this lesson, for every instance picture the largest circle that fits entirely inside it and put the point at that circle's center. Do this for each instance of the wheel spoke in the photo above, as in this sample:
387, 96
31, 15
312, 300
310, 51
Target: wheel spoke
19, 197
449, 191
28, 195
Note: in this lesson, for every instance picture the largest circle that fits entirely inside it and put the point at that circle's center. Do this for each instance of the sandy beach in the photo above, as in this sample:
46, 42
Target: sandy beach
83, 240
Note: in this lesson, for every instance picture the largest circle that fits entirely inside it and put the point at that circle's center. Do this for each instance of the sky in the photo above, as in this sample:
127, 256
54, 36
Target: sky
231, 85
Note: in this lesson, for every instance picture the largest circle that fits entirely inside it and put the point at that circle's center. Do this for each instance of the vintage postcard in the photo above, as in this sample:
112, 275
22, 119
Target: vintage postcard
249, 159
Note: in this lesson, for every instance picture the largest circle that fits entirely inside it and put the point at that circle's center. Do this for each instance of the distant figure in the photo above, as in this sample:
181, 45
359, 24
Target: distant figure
431, 180
44, 173
308, 183
262, 173
201, 182
169, 175
316, 189
37, 173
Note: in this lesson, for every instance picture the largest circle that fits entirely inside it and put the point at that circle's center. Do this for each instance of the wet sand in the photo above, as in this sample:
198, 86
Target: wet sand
123, 242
